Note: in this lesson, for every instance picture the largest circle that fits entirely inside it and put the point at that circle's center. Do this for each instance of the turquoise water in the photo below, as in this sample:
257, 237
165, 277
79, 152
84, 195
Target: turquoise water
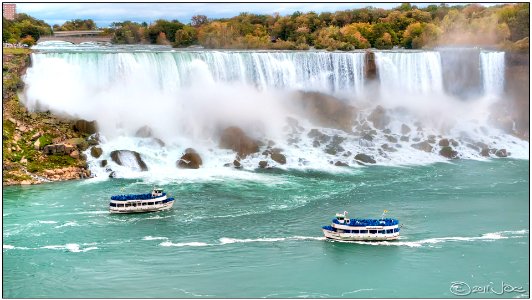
465, 221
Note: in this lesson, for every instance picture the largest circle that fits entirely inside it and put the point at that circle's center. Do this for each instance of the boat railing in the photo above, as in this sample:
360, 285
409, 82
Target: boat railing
368, 222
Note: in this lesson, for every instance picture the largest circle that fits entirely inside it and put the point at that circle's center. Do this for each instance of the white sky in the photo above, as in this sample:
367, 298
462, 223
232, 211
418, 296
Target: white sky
105, 13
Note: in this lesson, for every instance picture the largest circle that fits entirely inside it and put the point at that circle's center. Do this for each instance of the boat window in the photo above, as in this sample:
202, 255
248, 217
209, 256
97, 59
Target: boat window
363, 231
112, 204
380, 231
389, 230
144, 203
128, 204
158, 202
373, 231
120, 205
356, 231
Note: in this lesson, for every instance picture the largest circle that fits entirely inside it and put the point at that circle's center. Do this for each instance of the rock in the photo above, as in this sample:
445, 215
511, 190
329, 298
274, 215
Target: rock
404, 138
96, 152
501, 153
431, 139
35, 136
74, 154
103, 163
94, 139
37, 144
423, 146
116, 154
159, 142
112, 174
318, 136
454, 143
25, 182
69, 148
388, 148
341, 164
54, 149
80, 143
315, 144
485, 152
391, 139
144, 132
263, 164
379, 118
405, 129
444, 142
234, 138
22, 128
448, 152
367, 137
237, 163
278, 157
84, 126
365, 158
23, 160
326, 110
189, 160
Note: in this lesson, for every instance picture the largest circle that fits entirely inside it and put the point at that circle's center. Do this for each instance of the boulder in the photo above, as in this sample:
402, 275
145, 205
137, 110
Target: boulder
326, 110
234, 138
84, 126
144, 132
189, 160
103, 163
444, 142
501, 153
80, 143
37, 144
263, 164
318, 136
391, 138
365, 158
96, 152
117, 157
74, 154
379, 118
405, 129
448, 152
237, 164
404, 138
341, 164
55, 149
423, 146
278, 157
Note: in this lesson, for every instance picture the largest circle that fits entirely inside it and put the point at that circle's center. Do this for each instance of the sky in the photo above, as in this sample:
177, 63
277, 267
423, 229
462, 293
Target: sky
106, 13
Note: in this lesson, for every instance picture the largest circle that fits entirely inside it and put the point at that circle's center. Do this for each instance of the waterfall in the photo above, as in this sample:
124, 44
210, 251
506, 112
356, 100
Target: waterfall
411, 72
492, 69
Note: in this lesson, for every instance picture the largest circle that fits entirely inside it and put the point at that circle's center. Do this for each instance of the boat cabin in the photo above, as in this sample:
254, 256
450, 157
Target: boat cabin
341, 218
156, 192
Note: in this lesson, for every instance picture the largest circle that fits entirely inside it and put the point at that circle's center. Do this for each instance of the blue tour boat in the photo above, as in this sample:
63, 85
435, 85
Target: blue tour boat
136, 203
345, 229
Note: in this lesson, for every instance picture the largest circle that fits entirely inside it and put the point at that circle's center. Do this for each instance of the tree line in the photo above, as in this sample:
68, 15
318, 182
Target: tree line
406, 26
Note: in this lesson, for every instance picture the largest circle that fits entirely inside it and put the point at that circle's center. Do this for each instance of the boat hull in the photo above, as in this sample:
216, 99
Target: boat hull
359, 237
141, 209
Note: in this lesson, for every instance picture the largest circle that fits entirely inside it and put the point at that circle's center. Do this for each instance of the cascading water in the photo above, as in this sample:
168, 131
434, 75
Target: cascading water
492, 69
411, 72
187, 97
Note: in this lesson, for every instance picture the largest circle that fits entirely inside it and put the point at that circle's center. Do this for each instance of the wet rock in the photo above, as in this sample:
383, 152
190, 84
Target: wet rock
501, 153
278, 157
144, 132
88, 127
485, 152
405, 129
190, 160
448, 152
341, 164
112, 174
80, 143
431, 139
327, 110
391, 139
103, 163
234, 138
365, 158
444, 142
263, 164
96, 152
57, 149
423, 146
388, 148
237, 163
315, 144
94, 139
454, 143
117, 154
318, 136
404, 138
367, 137
379, 118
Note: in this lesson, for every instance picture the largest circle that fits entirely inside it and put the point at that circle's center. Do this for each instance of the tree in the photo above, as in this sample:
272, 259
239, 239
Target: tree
186, 36
199, 20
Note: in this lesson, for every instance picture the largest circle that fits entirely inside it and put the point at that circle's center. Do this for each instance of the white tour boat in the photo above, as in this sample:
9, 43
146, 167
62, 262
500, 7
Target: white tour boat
136, 203
345, 229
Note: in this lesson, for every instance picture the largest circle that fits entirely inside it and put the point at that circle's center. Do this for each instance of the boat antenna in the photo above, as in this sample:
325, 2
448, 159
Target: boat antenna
384, 213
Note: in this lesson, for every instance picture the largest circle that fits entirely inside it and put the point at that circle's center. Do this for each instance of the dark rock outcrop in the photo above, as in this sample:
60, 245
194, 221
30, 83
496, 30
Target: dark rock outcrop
444, 142
116, 154
263, 164
278, 157
501, 153
58, 149
234, 138
448, 152
365, 158
96, 152
341, 164
189, 160
84, 126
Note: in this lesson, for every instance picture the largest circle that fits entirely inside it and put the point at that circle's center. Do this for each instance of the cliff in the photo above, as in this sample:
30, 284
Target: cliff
37, 146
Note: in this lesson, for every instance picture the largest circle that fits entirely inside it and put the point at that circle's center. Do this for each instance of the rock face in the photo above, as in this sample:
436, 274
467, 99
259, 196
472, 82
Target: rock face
189, 160
379, 118
327, 111
278, 157
448, 152
96, 152
365, 158
84, 126
117, 157
234, 138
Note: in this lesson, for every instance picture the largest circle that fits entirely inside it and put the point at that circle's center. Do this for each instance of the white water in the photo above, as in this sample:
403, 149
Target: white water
492, 66
187, 97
